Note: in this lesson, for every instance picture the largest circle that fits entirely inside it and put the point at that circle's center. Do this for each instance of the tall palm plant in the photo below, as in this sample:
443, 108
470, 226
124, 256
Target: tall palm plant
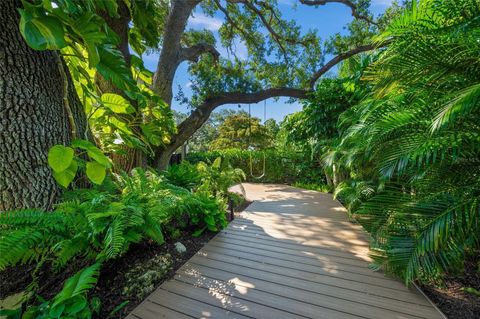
420, 126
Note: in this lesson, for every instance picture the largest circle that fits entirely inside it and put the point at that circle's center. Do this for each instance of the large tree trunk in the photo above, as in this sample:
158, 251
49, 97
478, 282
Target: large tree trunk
33, 116
129, 157
170, 59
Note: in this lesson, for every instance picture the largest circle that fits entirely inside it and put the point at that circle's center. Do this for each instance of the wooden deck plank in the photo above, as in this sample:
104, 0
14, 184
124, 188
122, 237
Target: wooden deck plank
315, 290
189, 306
269, 299
292, 254
255, 225
360, 306
357, 255
307, 236
150, 310
217, 297
318, 261
317, 269
330, 282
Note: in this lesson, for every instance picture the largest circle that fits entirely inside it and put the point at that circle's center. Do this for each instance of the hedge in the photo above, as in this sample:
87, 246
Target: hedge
280, 167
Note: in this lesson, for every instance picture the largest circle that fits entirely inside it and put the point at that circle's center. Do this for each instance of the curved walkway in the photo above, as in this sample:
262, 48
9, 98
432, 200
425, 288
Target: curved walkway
293, 253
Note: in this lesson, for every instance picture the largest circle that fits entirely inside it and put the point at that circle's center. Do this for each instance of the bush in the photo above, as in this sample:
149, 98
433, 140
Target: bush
280, 167
324, 188
100, 224
184, 175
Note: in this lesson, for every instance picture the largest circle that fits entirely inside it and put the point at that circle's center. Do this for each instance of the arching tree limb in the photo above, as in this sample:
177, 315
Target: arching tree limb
343, 56
195, 51
201, 114
348, 3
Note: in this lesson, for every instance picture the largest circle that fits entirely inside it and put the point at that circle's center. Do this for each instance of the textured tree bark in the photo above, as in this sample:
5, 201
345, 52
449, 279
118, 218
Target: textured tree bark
32, 116
171, 54
130, 157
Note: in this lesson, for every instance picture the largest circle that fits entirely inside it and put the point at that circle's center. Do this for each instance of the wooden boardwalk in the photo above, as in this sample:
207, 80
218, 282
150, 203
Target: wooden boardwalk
292, 254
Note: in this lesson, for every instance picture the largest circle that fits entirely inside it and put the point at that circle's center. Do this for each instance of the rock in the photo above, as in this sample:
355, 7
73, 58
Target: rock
180, 247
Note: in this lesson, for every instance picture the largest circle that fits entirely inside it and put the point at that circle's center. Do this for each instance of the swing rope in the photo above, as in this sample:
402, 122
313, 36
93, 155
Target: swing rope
249, 140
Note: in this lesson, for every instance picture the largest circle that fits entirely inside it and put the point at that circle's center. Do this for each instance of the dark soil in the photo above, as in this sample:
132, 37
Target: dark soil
112, 279
452, 299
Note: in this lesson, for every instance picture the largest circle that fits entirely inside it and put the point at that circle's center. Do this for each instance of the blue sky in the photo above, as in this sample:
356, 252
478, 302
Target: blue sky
328, 20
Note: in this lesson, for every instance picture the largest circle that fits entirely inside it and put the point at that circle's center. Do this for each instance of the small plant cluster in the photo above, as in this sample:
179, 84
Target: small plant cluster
101, 223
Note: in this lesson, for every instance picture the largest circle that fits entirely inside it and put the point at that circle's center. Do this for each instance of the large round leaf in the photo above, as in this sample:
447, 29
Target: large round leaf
65, 177
94, 152
60, 157
41, 32
96, 172
116, 103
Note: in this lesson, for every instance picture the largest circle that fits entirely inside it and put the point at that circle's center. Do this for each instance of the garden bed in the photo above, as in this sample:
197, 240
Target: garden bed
452, 299
124, 282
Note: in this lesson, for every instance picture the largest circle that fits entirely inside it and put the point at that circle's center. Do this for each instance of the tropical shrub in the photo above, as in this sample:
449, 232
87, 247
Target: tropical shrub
99, 224
324, 188
185, 175
410, 147
219, 176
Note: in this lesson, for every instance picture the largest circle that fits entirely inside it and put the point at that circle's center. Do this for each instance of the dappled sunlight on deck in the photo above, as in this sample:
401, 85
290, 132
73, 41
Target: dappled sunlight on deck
291, 254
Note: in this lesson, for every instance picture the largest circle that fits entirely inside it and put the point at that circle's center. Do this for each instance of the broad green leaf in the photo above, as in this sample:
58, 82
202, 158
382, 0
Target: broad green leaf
41, 32
210, 220
94, 152
122, 126
64, 178
79, 303
112, 67
60, 157
216, 164
78, 284
150, 130
117, 103
96, 172
88, 28
57, 311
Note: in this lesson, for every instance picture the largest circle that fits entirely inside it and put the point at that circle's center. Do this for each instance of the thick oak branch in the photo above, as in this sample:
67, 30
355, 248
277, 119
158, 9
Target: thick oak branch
195, 51
348, 3
343, 56
201, 114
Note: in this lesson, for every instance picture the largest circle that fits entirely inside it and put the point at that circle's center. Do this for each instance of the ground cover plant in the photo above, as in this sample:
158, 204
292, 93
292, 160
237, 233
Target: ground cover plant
100, 224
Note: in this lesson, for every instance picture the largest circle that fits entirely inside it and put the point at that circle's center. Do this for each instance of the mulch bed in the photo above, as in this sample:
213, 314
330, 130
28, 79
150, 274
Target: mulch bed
113, 277
452, 300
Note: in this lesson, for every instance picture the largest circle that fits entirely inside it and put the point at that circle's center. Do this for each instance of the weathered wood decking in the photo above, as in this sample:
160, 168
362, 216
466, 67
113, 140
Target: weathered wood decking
292, 254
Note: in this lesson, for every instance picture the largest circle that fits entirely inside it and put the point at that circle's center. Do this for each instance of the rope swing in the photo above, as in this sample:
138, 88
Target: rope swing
249, 141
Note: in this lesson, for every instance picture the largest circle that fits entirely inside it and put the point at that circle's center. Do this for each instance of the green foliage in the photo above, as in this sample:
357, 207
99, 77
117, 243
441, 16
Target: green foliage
183, 175
70, 302
64, 162
101, 223
135, 117
243, 132
406, 162
219, 176
313, 186
280, 167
